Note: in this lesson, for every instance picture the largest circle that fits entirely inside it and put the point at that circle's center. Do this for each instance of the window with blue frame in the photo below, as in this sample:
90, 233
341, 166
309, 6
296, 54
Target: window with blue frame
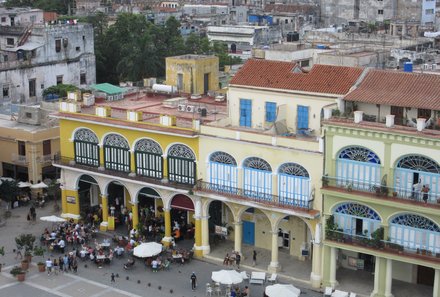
271, 112
245, 112
302, 117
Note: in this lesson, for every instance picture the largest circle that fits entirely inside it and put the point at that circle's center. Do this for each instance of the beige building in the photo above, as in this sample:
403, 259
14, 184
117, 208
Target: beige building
193, 74
29, 143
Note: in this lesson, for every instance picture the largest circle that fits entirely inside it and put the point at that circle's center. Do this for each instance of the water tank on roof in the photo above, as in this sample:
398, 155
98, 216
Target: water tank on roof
408, 67
292, 36
321, 46
164, 88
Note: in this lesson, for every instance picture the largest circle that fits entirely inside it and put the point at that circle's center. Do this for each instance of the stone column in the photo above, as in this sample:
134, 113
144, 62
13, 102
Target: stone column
104, 203
436, 289
238, 236
274, 265
135, 211
332, 276
198, 251
167, 218
388, 278
383, 278
205, 235
63, 201
316, 274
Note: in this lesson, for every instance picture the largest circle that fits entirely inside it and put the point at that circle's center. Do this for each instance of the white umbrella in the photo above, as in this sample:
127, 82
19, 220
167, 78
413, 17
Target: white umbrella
282, 290
53, 219
148, 249
40, 185
227, 277
24, 184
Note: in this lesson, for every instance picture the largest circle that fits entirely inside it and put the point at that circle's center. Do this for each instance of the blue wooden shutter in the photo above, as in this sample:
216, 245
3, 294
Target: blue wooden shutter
245, 112
303, 117
271, 108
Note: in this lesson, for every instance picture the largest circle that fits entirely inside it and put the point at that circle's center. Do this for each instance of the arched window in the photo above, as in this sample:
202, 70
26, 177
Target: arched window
356, 219
293, 184
181, 164
415, 232
358, 167
223, 172
257, 175
86, 147
116, 153
148, 158
414, 171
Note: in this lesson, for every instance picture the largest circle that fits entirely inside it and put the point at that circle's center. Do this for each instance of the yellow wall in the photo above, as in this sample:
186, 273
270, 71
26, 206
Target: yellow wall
67, 128
193, 71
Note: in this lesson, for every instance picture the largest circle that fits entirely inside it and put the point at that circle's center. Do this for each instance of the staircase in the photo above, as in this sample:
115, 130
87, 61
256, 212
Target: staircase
24, 37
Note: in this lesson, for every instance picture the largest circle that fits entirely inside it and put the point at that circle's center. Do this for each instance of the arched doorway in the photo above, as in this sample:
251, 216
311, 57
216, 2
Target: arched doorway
182, 220
151, 221
89, 194
117, 197
220, 224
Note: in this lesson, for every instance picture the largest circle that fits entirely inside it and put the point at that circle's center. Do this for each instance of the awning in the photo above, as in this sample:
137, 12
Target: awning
183, 202
28, 46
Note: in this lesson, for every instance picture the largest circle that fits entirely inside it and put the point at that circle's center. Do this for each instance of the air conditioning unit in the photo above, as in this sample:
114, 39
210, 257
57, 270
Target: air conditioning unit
199, 109
190, 108
181, 107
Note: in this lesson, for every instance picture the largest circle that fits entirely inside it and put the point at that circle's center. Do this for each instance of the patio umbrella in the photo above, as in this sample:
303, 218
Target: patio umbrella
148, 249
227, 277
24, 184
282, 290
40, 185
53, 219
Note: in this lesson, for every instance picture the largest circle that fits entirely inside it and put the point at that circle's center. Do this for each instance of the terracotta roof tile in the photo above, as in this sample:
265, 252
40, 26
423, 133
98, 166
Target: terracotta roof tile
279, 75
419, 90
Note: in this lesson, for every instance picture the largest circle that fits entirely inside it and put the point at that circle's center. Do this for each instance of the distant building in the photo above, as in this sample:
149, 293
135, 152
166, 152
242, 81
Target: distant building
194, 74
29, 143
35, 56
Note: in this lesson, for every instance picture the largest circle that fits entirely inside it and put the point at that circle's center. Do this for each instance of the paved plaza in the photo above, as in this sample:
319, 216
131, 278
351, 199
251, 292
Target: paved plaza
93, 281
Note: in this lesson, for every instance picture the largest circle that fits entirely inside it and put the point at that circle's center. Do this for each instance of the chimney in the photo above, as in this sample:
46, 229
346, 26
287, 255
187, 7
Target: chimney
389, 120
358, 115
421, 124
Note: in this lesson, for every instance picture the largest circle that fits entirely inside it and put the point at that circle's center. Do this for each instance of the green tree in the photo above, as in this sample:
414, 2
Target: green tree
9, 190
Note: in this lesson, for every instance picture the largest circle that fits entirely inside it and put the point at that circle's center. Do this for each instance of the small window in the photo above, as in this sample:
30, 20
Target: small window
42, 86
5, 92
58, 45
22, 148
78, 48
32, 89
5, 58
33, 53
3, 19
59, 79
29, 115
10, 41
46, 147
82, 79
380, 11
305, 63
429, 11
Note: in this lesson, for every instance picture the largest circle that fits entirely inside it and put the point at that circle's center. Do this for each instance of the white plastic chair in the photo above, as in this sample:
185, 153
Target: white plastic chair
352, 294
208, 290
244, 275
328, 292
272, 278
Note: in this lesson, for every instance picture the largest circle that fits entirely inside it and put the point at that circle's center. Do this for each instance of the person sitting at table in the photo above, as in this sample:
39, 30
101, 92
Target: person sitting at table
233, 293
245, 291
119, 251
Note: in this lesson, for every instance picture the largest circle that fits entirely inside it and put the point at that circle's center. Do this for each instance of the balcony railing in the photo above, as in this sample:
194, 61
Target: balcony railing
19, 159
70, 162
423, 253
46, 158
252, 196
380, 191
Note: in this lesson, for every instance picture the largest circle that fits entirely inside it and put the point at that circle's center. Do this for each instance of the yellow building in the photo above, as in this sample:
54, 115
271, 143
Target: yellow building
193, 74
265, 176
29, 144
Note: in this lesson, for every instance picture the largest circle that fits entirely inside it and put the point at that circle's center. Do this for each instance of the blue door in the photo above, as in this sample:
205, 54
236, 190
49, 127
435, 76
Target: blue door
248, 232
303, 117
245, 112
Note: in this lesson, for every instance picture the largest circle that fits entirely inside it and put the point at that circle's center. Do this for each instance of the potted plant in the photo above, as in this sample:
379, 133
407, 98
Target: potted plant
18, 273
26, 242
24, 264
39, 251
394, 194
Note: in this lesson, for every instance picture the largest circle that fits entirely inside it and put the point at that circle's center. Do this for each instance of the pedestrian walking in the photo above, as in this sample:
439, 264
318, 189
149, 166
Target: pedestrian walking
193, 281
237, 260
49, 265
254, 258
65, 263
112, 278
56, 267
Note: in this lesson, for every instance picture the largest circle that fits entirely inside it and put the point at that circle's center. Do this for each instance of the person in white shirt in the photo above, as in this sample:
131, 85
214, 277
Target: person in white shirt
49, 266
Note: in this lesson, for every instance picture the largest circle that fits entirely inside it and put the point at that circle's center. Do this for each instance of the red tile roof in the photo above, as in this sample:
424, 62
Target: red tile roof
279, 75
418, 90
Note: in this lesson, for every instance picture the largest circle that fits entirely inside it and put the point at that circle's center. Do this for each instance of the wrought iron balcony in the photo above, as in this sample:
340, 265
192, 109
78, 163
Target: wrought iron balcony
422, 253
252, 196
379, 190
46, 159
19, 159
70, 162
